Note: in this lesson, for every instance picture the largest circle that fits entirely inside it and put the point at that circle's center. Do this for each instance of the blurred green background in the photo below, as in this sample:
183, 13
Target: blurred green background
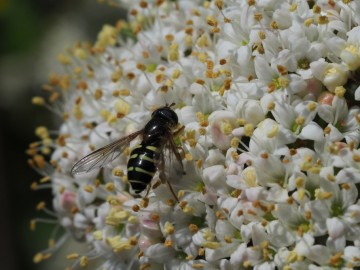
32, 34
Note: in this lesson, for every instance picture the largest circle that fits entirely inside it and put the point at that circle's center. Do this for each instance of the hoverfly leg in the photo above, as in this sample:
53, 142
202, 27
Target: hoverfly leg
156, 184
147, 191
171, 105
163, 180
172, 191
179, 131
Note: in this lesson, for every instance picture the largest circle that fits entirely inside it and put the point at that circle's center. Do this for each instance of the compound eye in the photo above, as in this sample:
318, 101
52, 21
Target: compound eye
171, 116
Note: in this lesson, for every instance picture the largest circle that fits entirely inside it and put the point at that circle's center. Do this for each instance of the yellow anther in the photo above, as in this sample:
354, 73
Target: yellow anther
98, 94
323, 195
323, 20
203, 41
249, 176
169, 228
33, 224
110, 186
40, 206
118, 244
273, 131
72, 256
211, 244
38, 101
293, 7
340, 91
88, 188
308, 22
64, 59
248, 129
98, 235
121, 108
174, 52
115, 76
193, 228
84, 261
300, 120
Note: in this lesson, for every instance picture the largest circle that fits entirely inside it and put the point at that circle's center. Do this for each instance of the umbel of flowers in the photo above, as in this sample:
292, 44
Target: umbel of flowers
267, 92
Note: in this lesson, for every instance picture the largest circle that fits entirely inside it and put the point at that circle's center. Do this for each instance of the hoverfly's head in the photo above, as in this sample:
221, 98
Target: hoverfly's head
167, 114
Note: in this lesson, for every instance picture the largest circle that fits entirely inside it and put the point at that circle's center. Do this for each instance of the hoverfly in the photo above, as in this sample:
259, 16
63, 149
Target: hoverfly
147, 157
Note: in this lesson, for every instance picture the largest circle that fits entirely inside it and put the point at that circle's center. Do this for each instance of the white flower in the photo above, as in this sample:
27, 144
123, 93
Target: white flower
346, 159
343, 123
266, 93
269, 136
331, 75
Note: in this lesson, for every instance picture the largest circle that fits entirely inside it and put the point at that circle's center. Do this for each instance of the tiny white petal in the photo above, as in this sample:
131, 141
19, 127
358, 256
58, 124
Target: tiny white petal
357, 93
335, 227
312, 131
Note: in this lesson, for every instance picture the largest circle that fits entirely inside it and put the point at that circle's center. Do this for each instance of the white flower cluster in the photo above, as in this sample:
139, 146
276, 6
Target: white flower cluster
268, 94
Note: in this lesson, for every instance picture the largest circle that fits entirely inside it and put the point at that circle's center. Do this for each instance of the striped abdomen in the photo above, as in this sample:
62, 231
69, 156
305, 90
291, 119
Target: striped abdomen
141, 166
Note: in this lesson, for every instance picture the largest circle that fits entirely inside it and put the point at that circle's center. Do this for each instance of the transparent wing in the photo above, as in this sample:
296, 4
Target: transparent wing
170, 161
104, 155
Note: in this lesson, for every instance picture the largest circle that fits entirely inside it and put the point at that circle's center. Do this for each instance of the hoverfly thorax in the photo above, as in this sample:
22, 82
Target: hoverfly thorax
167, 115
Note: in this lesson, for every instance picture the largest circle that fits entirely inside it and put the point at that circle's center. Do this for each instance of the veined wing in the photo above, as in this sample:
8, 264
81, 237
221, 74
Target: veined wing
104, 155
170, 161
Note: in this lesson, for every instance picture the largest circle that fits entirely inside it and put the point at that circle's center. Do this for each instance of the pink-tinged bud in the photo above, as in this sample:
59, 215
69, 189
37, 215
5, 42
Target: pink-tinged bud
68, 200
326, 98
144, 243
